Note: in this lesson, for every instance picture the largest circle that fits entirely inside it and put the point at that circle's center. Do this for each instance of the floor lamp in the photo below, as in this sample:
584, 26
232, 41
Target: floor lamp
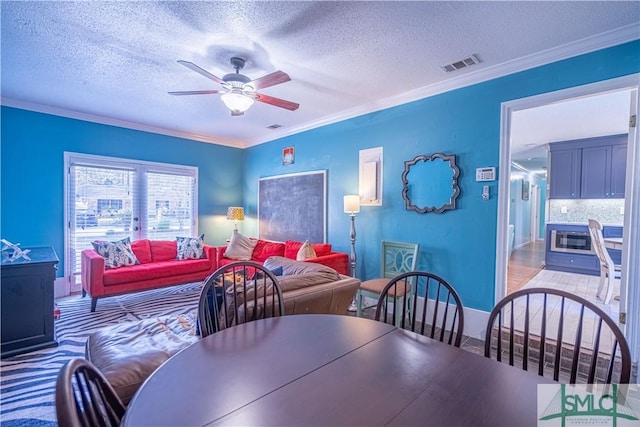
352, 207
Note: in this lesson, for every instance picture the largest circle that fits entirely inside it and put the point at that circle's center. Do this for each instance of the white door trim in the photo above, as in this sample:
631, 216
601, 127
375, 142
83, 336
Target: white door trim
632, 194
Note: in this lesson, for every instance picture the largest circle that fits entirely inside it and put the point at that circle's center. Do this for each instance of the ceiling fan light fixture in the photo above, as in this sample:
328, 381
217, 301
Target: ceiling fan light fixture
237, 101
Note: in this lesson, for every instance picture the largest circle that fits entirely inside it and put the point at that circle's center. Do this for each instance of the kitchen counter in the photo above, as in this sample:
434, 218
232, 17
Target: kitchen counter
583, 262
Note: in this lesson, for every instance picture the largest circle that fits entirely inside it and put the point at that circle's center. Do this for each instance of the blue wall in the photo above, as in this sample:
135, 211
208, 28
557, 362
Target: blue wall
458, 245
33, 146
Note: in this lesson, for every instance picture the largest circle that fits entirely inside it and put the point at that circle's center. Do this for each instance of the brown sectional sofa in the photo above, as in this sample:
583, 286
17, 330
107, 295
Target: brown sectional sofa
127, 353
264, 249
311, 288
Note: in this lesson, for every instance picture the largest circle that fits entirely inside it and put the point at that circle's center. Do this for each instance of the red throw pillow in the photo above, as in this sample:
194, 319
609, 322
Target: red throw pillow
291, 248
142, 250
321, 248
163, 250
264, 250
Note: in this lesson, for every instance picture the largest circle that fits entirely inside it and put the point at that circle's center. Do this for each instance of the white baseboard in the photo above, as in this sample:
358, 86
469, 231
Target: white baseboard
60, 287
475, 321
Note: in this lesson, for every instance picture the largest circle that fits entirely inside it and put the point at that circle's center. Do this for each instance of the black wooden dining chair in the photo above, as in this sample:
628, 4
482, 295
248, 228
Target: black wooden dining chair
237, 293
558, 333
84, 398
438, 315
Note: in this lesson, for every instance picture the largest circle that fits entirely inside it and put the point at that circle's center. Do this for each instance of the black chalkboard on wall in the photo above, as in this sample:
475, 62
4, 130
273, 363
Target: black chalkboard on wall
293, 207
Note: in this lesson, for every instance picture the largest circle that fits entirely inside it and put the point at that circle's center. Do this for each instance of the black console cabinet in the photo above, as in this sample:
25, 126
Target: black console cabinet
27, 302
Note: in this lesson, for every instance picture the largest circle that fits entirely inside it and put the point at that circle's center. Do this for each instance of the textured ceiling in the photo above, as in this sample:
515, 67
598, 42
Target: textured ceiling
115, 61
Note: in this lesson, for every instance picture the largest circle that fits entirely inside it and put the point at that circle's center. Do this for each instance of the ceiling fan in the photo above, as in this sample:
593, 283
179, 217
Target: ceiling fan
238, 91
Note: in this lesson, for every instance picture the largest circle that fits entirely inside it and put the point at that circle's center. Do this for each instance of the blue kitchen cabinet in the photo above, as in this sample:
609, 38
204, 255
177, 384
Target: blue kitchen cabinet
618, 170
604, 170
564, 176
591, 168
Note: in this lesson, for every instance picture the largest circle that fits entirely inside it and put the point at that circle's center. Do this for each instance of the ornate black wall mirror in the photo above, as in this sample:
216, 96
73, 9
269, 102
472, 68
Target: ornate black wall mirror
430, 183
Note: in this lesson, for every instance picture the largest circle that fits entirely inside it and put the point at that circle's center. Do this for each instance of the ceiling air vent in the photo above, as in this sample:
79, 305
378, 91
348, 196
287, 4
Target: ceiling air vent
274, 126
463, 63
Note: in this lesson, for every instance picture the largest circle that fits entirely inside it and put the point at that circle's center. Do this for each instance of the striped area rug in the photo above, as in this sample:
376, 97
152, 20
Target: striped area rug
27, 381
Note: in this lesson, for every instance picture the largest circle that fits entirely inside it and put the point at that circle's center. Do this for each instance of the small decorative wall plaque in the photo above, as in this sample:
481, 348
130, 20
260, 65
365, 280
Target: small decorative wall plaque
288, 155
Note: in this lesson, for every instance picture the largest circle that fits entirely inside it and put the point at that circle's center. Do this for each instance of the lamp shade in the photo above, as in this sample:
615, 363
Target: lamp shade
237, 101
352, 203
235, 213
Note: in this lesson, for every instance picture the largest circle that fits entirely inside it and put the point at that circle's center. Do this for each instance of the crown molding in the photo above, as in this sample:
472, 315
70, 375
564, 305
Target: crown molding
71, 114
590, 44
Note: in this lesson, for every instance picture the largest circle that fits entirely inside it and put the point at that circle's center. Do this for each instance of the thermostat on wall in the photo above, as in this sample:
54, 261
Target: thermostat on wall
486, 174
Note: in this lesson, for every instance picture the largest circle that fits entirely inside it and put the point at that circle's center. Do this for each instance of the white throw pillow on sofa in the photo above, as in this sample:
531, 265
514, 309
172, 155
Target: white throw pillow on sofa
306, 251
116, 254
240, 247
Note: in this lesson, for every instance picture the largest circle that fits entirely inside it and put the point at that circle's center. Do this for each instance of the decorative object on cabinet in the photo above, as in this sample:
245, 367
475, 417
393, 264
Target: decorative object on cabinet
591, 168
293, 207
235, 214
11, 251
430, 183
370, 176
27, 302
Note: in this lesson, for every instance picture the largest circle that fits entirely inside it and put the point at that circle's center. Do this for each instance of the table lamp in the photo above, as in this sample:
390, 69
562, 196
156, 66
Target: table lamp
235, 214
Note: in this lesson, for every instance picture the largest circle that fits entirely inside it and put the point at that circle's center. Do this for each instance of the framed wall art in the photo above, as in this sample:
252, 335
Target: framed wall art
288, 155
293, 207
525, 190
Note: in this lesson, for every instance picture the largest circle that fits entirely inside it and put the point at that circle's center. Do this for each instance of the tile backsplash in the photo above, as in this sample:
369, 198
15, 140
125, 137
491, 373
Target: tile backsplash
607, 211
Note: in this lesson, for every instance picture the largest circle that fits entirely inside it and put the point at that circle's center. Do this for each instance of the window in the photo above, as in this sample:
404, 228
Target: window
110, 199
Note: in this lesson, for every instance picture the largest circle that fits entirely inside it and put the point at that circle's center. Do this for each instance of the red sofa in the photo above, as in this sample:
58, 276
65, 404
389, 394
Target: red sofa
339, 261
158, 268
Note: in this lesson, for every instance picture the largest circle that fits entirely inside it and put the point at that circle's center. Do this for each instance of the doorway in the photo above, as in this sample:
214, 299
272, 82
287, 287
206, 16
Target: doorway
111, 199
631, 250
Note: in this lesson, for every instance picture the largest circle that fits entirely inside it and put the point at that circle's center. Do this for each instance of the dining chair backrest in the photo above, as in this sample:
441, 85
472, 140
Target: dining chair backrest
597, 242
558, 334
237, 293
438, 315
397, 258
609, 271
84, 398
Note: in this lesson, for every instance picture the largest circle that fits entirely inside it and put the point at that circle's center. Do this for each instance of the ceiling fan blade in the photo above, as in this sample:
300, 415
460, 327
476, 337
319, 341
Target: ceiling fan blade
272, 79
277, 102
201, 71
194, 92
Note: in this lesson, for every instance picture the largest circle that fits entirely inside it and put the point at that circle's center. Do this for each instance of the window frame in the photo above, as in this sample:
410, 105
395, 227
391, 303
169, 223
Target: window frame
141, 168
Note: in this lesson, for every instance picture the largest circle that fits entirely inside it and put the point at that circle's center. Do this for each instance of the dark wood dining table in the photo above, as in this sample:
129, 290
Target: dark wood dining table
330, 370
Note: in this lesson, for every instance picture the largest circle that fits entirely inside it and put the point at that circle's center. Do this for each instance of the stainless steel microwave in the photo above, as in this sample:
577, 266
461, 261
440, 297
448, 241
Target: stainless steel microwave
577, 242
